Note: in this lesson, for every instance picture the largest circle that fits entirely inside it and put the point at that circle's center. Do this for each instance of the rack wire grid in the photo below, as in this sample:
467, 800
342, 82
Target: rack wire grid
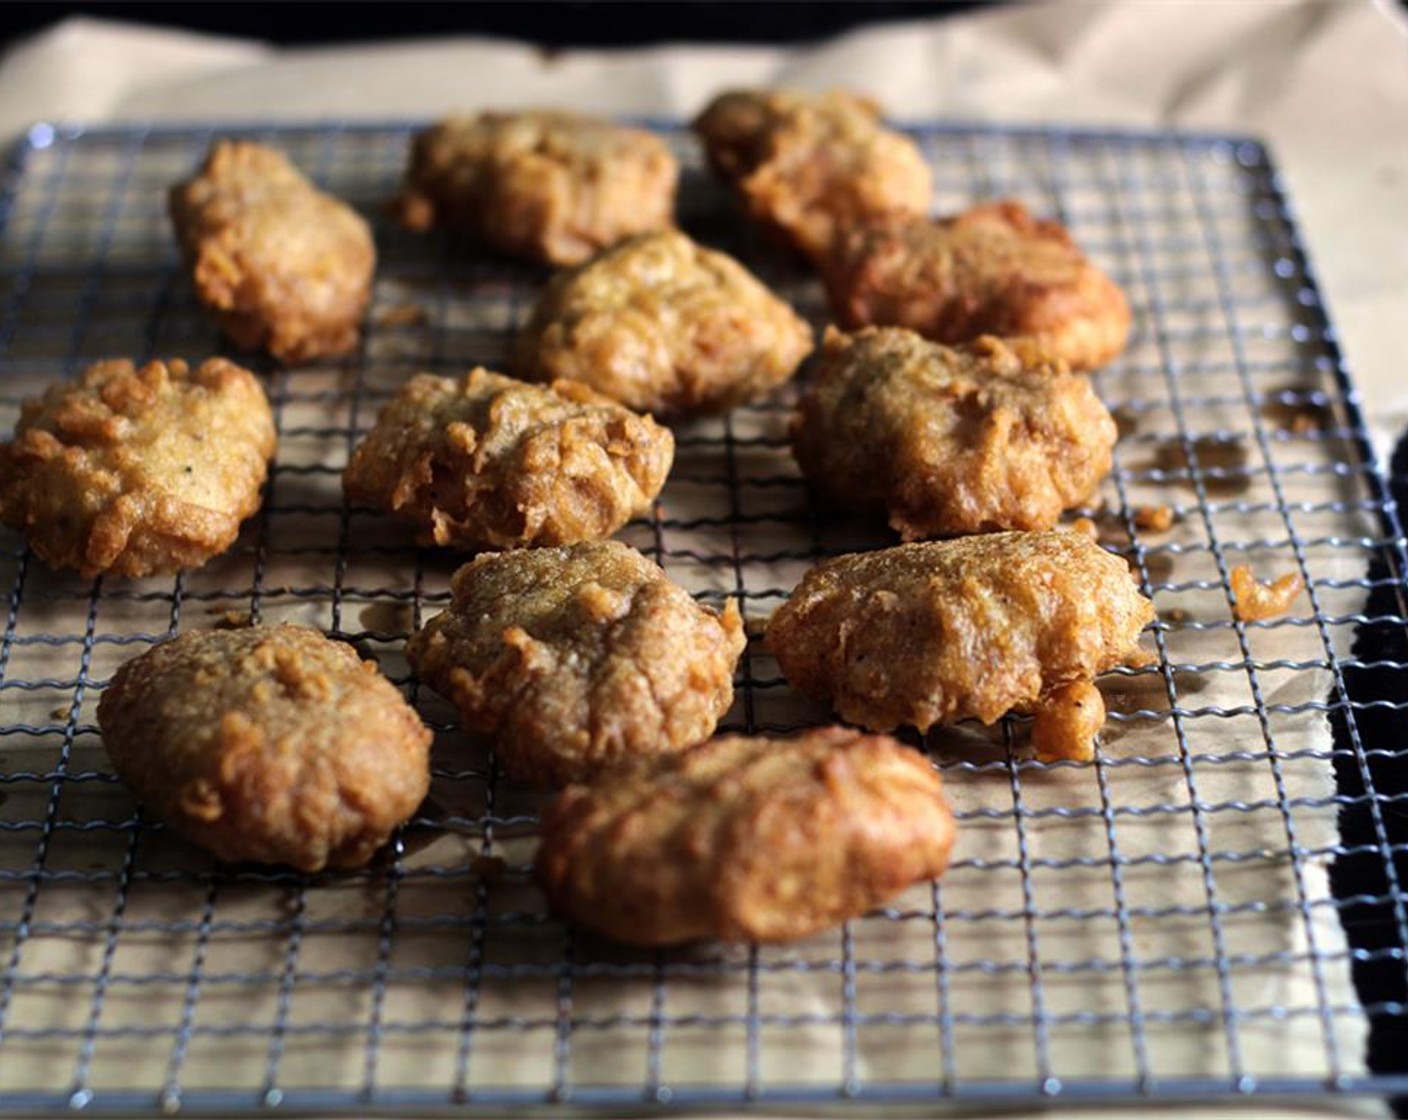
1156, 924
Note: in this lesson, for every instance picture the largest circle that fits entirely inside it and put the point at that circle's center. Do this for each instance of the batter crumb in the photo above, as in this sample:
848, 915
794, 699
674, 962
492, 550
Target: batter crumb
1256, 600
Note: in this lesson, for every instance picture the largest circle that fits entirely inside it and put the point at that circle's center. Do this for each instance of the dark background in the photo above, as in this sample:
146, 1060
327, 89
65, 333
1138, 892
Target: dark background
552, 24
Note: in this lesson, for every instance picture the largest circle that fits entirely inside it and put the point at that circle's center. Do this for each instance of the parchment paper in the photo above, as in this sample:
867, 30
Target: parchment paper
1327, 85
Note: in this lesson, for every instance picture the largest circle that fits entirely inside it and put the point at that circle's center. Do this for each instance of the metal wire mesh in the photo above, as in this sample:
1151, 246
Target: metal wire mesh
1154, 924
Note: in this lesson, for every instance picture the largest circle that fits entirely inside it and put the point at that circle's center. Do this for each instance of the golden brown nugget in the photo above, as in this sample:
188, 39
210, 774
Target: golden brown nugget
269, 744
546, 185
573, 659
993, 269
810, 166
664, 325
138, 472
929, 633
746, 838
988, 436
490, 462
283, 266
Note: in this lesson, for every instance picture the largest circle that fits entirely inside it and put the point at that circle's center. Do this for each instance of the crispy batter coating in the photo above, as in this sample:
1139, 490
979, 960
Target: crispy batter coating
490, 462
546, 185
138, 472
993, 269
283, 266
1256, 601
270, 744
577, 658
664, 325
811, 166
746, 838
939, 631
990, 435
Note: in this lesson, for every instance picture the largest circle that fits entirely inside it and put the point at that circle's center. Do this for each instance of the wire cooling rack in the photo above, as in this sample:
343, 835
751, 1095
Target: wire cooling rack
1154, 925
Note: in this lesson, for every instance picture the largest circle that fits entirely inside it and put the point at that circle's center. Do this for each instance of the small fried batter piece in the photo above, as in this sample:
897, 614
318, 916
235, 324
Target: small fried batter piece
929, 633
1255, 601
988, 436
1154, 519
573, 659
993, 269
664, 325
1066, 721
138, 472
811, 166
283, 266
490, 462
544, 185
268, 744
746, 838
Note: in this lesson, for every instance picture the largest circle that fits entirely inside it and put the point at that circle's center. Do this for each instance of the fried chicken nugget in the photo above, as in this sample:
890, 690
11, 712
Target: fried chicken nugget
577, 658
988, 436
746, 838
269, 744
664, 325
993, 269
282, 266
929, 633
810, 166
545, 185
490, 462
138, 472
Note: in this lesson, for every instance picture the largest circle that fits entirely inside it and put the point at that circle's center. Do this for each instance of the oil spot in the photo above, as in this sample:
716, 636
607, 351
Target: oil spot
1126, 421
387, 618
1146, 691
1212, 454
1158, 566
489, 869
403, 315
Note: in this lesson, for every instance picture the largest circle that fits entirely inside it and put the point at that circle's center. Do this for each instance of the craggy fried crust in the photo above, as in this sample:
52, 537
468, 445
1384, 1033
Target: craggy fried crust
545, 185
270, 744
746, 838
283, 266
490, 462
138, 472
993, 269
992, 435
664, 325
939, 631
578, 658
810, 166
